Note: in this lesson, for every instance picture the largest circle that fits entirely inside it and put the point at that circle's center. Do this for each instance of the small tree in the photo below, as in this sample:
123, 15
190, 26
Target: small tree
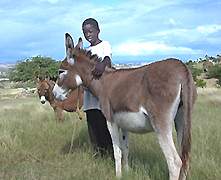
195, 71
215, 72
200, 83
28, 69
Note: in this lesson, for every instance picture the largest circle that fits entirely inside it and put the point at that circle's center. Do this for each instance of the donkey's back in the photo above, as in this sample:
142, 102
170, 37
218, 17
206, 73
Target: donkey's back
152, 85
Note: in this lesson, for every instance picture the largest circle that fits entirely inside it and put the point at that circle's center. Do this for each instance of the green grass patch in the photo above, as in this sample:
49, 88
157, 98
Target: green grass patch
34, 146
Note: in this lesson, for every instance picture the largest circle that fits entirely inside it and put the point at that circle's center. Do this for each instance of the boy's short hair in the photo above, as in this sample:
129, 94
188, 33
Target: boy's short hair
92, 22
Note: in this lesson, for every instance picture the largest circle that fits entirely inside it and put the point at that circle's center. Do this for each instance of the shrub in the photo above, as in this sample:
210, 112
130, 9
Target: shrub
29, 69
200, 83
195, 71
215, 71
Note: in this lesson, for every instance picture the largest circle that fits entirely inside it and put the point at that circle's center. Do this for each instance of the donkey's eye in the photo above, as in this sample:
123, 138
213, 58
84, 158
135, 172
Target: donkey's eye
61, 71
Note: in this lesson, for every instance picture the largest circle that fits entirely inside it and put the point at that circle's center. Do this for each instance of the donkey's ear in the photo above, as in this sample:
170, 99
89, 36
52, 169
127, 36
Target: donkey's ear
47, 78
69, 45
80, 43
37, 79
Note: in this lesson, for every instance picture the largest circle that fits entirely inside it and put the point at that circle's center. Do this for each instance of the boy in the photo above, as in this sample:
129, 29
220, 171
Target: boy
97, 126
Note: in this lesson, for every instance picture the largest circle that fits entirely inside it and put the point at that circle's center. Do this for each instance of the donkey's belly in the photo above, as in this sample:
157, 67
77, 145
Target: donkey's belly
136, 122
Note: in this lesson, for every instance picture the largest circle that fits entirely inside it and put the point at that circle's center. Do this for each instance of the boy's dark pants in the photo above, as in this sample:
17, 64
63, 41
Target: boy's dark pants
98, 131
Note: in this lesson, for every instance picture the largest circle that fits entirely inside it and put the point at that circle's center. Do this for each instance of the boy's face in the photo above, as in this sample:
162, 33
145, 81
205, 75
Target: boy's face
91, 34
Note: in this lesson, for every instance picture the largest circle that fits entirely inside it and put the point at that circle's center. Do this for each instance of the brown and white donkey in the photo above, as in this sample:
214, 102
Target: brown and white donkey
72, 103
139, 100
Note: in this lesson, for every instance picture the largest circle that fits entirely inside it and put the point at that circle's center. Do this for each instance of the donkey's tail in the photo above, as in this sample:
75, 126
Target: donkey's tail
188, 96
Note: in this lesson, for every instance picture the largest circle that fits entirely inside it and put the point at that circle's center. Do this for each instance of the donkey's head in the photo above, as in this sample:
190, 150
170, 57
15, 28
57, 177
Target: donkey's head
68, 68
76, 68
43, 89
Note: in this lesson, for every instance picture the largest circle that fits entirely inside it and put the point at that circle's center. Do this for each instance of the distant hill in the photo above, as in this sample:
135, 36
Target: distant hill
6, 67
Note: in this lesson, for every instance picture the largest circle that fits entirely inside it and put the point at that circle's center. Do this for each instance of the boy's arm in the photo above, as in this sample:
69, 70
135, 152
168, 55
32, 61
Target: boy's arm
100, 66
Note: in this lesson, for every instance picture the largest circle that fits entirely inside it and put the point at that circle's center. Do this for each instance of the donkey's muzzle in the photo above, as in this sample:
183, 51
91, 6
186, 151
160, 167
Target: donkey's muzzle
43, 99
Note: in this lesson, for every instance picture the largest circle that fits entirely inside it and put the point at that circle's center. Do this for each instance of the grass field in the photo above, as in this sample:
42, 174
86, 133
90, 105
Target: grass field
33, 146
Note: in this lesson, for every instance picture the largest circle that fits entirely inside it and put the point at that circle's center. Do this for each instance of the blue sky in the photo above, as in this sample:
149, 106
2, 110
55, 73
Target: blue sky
137, 30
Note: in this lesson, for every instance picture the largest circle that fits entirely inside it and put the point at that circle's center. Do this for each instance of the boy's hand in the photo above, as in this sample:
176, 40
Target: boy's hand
100, 67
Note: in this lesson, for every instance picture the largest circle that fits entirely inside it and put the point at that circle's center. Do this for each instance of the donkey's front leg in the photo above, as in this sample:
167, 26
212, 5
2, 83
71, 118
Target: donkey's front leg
114, 132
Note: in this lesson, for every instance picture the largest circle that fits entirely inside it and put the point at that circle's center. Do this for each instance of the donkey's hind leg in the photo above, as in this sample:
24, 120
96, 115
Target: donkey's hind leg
173, 159
115, 136
125, 149
179, 127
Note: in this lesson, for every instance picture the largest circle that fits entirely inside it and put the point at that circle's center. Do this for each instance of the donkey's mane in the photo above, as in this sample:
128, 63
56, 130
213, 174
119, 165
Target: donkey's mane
88, 54
95, 58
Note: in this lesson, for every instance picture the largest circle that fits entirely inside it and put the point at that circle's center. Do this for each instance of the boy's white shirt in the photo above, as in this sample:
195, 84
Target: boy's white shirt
101, 50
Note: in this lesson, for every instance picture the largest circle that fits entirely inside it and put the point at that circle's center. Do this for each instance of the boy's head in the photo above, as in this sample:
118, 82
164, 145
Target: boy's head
92, 22
91, 30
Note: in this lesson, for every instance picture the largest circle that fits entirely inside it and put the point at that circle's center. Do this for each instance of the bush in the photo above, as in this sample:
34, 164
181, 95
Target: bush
200, 83
195, 71
219, 82
215, 71
29, 69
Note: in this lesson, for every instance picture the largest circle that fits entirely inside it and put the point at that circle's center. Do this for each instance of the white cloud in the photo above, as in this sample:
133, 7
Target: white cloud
53, 1
50, 1
209, 29
174, 31
150, 47
188, 35
172, 21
